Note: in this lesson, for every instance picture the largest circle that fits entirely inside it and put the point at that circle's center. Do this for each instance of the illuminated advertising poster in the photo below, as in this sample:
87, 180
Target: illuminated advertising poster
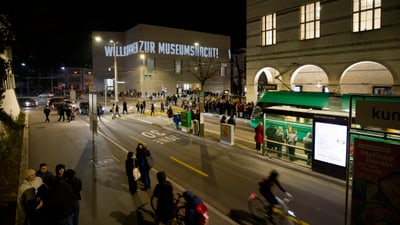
376, 183
330, 143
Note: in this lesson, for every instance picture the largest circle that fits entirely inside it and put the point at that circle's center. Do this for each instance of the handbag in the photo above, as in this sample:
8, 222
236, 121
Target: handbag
136, 173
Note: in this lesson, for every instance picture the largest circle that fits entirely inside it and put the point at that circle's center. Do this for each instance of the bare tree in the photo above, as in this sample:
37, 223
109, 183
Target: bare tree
204, 69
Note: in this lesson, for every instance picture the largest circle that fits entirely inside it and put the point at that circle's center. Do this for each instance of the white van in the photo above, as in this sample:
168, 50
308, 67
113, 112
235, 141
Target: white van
44, 97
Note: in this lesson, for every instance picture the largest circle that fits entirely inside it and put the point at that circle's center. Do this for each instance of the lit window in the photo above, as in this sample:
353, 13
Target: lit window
223, 69
268, 30
366, 15
178, 66
310, 21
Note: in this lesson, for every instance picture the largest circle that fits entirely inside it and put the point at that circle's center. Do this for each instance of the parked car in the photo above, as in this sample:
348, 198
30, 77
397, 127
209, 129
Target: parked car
27, 102
84, 108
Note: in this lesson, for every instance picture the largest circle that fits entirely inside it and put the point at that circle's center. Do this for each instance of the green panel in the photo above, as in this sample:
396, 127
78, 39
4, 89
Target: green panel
302, 99
186, 119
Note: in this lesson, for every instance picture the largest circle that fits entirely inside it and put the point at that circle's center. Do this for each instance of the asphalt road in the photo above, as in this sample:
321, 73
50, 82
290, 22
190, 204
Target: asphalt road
222, 175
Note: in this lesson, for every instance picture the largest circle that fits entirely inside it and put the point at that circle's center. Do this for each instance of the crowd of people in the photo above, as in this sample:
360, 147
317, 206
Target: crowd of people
49, 198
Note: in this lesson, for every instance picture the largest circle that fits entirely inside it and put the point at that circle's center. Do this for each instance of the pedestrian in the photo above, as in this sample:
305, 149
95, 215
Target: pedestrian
117, 110
130, 164
278, 137
142, 108
27, 198
68, 112
292, 141
223, 119
259, 136
270, 133
99, 107
307, 141
144, 167
43, 170
162, 107
58, 201
112, 111
60, 169
152, 109
232, 121
164, 192
124, 108
196, 212
76, 185
61, 111
138, 107
46, 112
170, 114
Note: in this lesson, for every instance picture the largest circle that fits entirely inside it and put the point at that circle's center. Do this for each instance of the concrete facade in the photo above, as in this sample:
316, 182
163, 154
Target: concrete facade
147, 58
339, 60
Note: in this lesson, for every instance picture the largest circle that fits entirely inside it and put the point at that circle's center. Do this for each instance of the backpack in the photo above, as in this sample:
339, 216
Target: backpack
149, 159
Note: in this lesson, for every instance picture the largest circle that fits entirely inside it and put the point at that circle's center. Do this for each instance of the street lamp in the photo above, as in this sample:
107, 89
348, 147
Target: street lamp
114, 43
115, 71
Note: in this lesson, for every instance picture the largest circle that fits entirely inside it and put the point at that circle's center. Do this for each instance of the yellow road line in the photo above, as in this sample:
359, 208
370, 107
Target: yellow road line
188, 166
138, 140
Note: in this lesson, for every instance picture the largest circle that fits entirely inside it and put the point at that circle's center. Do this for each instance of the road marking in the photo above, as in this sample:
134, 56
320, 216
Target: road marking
137, 139
189, 166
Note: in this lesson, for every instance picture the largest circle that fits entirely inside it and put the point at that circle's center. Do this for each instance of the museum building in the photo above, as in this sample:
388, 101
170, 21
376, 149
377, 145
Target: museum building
153, 60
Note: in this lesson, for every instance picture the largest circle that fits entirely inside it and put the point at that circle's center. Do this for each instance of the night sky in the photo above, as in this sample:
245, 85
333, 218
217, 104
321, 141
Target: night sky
54, 33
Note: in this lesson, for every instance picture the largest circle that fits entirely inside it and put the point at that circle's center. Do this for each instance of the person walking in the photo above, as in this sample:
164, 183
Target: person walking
144, 167
46, 112
117, 110
124, 108
162, 107
152, 109
76, 185
61, 111
259, 136
164, 192
170, 114
130, 164
99, 111
112, 111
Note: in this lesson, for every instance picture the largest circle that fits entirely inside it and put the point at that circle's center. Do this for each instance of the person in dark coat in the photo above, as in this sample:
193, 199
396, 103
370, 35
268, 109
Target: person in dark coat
232, 121
144, 168
58, 199
124, 108
164, 192
76, 185
47, 111
129, 166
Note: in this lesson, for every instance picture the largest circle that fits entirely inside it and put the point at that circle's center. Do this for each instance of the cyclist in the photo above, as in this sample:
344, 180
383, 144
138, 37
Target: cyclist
265, 189
196, 212
164, 192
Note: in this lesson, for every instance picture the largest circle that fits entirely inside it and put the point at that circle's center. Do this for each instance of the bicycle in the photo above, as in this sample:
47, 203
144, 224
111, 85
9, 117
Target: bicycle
281, 213
179, 207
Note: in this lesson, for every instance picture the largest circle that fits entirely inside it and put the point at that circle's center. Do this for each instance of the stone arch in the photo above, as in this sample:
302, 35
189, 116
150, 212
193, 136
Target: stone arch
268, 73
309, 78
366, 77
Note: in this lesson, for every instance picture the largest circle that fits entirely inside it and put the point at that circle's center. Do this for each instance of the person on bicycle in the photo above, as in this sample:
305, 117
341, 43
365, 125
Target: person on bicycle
196, 212
265, 189
164, 192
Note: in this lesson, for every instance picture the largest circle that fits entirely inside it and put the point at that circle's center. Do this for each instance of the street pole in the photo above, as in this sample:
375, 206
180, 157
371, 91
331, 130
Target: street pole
115, 73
